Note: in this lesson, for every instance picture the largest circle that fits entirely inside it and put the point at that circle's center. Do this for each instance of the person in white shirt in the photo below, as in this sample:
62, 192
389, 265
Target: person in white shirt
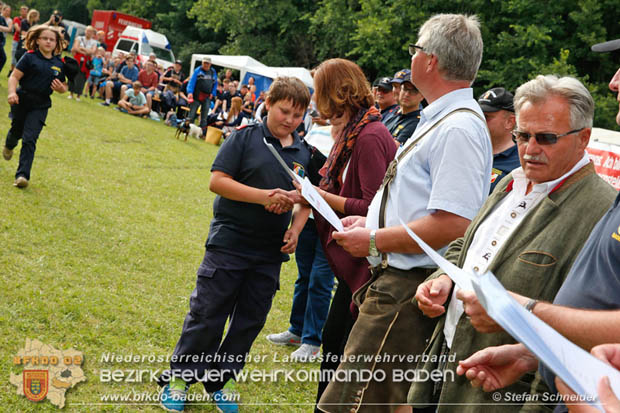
436, 184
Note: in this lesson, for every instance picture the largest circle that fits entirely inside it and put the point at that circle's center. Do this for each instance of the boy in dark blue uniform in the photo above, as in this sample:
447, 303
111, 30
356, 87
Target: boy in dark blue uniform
246, 246
39, 73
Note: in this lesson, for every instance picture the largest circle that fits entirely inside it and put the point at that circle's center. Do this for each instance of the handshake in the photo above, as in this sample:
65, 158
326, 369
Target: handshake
280, 201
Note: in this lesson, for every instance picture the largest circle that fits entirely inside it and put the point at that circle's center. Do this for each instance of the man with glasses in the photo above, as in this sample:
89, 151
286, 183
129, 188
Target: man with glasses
499, 112
406, 119
586, 310
437, 183
527, 233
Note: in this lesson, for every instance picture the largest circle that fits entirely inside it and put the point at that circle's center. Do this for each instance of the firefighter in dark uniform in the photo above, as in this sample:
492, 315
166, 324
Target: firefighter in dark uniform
497, 105
385, 98
406, 120
246, 246
38, 73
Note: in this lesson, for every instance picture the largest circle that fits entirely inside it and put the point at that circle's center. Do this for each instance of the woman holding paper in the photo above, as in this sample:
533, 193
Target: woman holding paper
351, 176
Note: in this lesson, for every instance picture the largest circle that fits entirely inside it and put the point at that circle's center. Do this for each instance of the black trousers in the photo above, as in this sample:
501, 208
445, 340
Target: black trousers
26, 125
335, 333
227, 288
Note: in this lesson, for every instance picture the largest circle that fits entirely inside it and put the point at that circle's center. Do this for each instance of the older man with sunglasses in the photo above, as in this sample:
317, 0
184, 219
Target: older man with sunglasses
528, 233
586, 310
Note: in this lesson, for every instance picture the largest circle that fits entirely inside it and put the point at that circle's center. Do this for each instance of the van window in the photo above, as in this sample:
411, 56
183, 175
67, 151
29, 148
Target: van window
163, 54
125, 45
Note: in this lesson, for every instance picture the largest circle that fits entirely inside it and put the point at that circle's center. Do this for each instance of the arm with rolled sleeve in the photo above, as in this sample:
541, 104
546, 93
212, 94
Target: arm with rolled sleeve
459, 166
460, 189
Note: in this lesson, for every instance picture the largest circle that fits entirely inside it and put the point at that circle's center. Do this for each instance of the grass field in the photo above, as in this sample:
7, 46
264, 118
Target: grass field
99, 254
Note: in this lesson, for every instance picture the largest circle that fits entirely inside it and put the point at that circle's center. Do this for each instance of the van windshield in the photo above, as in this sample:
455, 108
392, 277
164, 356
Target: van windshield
160, 53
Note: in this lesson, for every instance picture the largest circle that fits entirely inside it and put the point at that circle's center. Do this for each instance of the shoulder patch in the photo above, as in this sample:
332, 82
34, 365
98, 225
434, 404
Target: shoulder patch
30, 51
241, 127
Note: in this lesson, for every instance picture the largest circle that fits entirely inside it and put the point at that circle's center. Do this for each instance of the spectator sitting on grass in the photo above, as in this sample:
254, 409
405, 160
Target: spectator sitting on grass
248, 107
149, 81
228, 122
134, 101
127, 75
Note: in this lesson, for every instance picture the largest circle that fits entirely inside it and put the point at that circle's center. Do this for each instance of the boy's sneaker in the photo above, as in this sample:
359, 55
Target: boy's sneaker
173, 398
286, 338
7, 153
226, 399
104, 103
307, 353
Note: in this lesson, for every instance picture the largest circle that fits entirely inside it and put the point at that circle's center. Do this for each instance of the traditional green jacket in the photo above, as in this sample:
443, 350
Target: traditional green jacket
533, 262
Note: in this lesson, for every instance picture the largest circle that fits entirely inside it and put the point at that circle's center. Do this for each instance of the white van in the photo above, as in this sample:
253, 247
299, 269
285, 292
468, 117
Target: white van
144, 42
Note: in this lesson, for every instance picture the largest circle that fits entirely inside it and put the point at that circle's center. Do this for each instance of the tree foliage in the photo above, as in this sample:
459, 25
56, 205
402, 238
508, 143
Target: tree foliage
523, 38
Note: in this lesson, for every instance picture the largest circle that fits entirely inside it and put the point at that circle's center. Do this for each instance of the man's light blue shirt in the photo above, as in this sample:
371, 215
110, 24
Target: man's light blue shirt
448, 170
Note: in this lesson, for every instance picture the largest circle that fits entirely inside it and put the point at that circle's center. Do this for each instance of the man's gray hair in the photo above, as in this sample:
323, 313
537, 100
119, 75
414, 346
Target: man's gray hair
456, 41
581, 104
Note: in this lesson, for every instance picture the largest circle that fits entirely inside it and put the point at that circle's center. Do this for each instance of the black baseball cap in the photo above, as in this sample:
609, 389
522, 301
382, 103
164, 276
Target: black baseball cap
385, 83
608, 46
496, 99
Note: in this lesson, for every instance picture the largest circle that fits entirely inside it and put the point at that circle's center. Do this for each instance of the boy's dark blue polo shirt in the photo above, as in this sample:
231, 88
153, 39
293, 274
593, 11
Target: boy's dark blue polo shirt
503, 164
39, 72
246, 228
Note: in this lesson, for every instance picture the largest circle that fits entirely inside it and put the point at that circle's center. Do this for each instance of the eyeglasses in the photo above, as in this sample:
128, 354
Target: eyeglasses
541, 138
413, 47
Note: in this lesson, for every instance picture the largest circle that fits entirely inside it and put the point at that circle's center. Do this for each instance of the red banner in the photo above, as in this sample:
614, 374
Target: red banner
606, 160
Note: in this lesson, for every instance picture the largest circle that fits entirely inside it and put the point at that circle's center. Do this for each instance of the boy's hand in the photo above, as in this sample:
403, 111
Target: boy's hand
290, 241
278, 202
13, 99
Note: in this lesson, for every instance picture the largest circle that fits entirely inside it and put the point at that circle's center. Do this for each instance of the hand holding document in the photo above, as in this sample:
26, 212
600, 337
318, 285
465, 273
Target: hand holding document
318, 203
579, 369
309, 193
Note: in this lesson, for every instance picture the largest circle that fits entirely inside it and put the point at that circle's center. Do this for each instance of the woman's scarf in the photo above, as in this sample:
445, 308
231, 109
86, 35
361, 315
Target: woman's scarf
341, 152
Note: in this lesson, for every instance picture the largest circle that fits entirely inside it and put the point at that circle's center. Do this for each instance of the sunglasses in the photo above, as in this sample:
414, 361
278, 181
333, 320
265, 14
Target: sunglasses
541, 138
413, 47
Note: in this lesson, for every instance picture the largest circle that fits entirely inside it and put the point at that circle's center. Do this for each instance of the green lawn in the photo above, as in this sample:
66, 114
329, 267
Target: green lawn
99, 253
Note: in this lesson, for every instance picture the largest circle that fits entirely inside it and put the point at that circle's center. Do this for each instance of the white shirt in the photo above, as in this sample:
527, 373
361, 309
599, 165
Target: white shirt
497, 228
449, 170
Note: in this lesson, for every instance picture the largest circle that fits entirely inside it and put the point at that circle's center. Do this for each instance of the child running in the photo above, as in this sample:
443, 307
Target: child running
39, 73
246, 246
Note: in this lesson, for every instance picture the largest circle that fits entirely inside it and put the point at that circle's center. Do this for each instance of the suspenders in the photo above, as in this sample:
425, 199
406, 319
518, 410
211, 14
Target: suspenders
390, 173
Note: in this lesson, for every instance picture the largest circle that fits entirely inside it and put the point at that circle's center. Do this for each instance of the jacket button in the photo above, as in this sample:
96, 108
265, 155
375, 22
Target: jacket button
494, 243
513, 214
